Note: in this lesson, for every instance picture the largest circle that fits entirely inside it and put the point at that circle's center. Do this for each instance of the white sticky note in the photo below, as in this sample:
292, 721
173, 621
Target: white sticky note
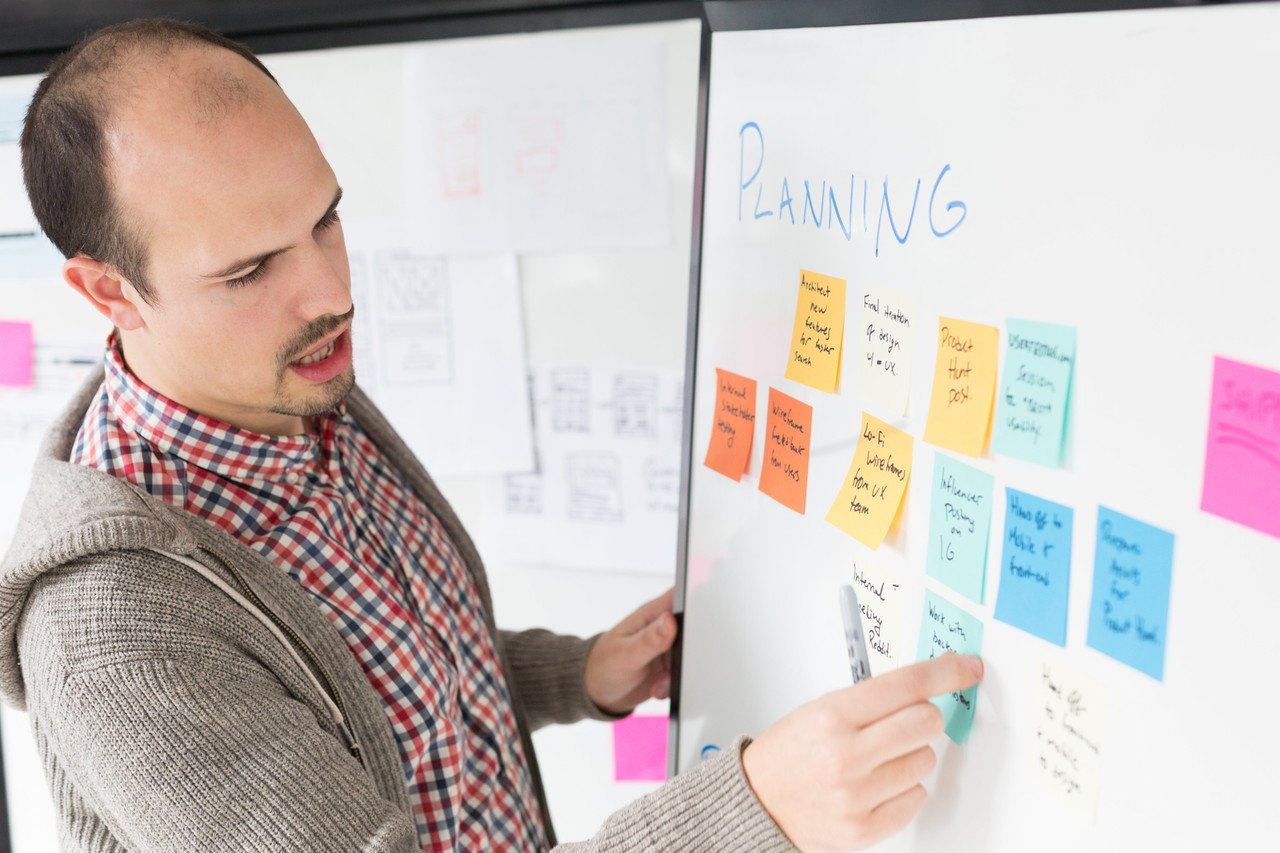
880, 597
884, 329
1069, 713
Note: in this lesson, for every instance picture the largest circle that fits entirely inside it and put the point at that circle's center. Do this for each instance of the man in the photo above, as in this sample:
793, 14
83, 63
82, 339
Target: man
239, 612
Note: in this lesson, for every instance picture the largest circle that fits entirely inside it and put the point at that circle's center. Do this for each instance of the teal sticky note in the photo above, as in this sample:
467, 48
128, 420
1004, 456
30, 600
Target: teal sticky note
1034, 391
1129, 610
959, 526
946, 628
1035, 567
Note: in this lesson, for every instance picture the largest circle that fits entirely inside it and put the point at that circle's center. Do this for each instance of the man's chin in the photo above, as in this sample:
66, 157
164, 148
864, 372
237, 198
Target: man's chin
303, 399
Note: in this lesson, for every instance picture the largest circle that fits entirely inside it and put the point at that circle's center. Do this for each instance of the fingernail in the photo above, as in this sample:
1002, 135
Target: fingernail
975, 663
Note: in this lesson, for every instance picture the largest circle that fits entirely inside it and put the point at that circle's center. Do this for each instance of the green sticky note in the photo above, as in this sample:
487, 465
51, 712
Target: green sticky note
946, 628
1034, 391
959, 526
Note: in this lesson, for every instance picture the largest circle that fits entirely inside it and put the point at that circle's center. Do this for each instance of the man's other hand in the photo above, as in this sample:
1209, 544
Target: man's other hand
631, 662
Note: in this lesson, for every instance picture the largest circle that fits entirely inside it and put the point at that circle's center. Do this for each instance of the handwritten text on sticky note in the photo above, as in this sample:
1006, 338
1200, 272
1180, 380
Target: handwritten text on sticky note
877, 479
964, 386
1031, 408
1242, 455
1129, 610
946, 628
733, 425
884, 363
814, 358
959, 526
880, 597
784, 476
1035, 569
1068, 715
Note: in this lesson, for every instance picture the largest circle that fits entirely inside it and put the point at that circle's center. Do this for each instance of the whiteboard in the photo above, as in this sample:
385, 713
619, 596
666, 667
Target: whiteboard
1119, 175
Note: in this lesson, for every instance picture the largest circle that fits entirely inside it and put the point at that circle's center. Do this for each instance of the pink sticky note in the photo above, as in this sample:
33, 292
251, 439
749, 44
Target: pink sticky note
640, 749
17, 345
1242, 456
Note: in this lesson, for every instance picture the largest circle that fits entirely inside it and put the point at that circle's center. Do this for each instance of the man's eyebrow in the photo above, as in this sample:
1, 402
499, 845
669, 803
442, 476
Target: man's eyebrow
245, 263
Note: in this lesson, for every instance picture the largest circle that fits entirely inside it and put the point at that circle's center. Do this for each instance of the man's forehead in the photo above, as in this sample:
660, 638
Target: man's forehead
202, 150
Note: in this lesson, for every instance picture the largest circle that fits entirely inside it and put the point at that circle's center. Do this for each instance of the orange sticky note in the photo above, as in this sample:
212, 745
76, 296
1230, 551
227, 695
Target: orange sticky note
734, 425
785, 473
872, 491
814, 358
964, 386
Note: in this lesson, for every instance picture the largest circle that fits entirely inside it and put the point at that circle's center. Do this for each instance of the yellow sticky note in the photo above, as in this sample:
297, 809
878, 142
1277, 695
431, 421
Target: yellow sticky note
814, 358
964, 386
872, 491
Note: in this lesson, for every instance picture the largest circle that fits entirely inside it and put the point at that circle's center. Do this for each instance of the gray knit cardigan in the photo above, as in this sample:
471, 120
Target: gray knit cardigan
187, 694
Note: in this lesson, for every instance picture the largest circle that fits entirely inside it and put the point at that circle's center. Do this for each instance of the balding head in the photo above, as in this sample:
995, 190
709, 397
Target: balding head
67, 153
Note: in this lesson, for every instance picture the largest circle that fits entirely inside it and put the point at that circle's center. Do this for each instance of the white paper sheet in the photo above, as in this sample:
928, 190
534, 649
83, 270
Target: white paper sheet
884, 330
550, 144
607, 492
439, 346
1068, 717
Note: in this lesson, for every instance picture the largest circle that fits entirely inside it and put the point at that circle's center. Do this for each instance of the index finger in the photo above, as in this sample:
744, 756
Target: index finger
881, 696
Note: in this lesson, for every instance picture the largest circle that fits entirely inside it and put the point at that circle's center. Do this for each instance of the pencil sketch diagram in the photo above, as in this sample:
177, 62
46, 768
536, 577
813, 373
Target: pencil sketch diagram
635, 405
595, 487
661, 485
413, 318
570, 400
524, 494
459, 153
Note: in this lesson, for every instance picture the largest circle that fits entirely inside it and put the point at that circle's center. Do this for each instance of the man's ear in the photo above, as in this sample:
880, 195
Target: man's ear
112, 296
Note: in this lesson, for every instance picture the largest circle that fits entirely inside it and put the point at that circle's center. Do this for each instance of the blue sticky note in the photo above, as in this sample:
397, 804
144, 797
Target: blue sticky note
1035, 568
946, 628
1129, 611
959, 526
1034, 392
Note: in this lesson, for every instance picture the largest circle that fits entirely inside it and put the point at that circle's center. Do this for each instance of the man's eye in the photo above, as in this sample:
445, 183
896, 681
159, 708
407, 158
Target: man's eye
330, 220
250, 277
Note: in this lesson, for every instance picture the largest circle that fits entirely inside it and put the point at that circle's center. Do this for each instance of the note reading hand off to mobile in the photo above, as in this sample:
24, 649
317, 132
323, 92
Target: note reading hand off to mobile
843, 771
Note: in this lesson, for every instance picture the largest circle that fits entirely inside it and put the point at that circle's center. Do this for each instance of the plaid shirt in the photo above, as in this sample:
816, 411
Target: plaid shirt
331, 512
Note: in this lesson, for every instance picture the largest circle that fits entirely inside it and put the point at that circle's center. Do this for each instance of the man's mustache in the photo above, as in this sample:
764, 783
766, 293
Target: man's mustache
311, 335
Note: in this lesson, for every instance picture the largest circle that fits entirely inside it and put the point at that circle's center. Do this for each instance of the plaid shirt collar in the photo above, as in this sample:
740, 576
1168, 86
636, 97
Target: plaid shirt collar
210, 444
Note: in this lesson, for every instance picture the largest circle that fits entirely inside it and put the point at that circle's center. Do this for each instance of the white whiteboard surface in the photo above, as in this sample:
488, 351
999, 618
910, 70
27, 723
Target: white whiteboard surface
1120, 172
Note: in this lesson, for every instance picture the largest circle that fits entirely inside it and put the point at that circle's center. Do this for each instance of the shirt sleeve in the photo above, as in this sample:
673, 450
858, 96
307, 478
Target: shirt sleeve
547, 672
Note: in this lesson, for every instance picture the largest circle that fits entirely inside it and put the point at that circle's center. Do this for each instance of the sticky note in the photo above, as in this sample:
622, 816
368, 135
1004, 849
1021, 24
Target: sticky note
877, 479
1035, 569
1129, 609
964, 386
814, 358
1068, 716
1035, 388
640, 748
17, 350
959, 526
946, 628
880, 598
885, 332
1242, 454
734, 425
784, 475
